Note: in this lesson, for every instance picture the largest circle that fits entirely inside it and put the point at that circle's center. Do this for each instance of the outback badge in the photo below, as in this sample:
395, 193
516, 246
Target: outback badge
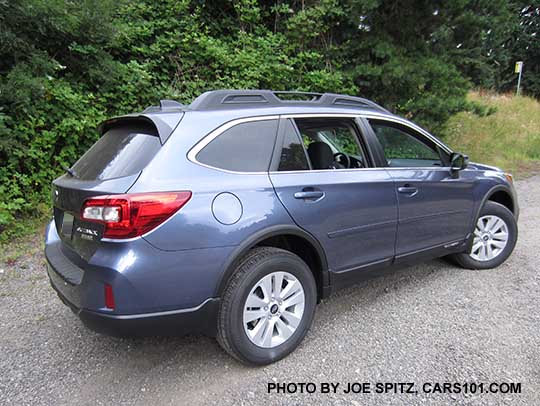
87, 233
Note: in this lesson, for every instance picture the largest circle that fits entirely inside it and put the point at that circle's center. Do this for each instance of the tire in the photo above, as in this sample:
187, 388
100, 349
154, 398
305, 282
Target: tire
267, 264
472, 260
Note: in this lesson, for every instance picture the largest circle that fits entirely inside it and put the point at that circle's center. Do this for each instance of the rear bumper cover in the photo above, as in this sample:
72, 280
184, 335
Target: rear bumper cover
201, 319
156, 293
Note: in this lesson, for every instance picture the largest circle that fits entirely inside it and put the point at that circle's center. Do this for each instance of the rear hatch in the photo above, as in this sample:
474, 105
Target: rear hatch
110, 166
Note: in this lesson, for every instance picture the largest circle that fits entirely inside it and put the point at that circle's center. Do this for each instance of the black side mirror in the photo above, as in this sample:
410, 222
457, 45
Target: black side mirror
458, 161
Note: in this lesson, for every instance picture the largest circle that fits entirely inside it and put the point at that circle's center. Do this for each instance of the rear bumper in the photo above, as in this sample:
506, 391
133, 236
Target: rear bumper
201, 319
155, 292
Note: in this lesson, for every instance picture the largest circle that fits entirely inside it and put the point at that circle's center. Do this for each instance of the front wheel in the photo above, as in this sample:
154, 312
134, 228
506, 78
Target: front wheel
267, 307
494, 239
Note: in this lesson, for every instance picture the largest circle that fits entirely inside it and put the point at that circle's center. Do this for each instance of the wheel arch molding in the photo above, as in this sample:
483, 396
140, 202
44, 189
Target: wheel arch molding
488, 197
511, 203
271, 235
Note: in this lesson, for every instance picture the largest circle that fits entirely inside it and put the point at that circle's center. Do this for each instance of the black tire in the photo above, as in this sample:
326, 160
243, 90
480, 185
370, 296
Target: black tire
256, 264
491, 208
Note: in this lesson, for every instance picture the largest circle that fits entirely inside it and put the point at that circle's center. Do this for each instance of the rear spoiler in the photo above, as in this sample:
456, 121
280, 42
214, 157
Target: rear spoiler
164, 122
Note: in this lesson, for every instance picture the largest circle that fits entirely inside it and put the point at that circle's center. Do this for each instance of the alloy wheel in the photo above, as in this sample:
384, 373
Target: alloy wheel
490, 238
273, 309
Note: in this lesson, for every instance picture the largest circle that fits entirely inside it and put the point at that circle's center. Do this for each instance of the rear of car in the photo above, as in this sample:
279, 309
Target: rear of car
98, 262
141, 235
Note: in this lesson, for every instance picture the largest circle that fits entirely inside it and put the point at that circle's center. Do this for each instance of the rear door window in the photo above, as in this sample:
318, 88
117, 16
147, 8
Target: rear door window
122, 151
332, 143
245, 147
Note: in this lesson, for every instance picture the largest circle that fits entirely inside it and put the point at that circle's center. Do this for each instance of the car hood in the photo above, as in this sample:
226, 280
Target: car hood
483, 167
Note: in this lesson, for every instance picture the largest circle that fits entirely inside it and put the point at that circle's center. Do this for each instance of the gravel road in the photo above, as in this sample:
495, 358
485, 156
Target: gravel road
429, 323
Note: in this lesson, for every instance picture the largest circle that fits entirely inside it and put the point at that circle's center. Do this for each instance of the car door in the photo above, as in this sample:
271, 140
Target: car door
435, 203
350, 207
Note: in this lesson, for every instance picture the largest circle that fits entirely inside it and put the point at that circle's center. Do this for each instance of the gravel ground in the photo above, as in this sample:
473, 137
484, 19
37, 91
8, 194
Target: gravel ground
429, 323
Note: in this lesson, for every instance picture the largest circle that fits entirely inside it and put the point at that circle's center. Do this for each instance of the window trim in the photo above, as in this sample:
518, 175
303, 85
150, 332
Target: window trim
363, 117
199, 146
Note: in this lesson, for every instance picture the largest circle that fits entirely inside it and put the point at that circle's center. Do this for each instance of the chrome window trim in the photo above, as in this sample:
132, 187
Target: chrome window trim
379, 168
332, 115
192, 153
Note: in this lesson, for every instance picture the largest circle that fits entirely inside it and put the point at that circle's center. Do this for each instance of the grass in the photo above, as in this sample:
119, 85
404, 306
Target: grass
508, 138
22, 242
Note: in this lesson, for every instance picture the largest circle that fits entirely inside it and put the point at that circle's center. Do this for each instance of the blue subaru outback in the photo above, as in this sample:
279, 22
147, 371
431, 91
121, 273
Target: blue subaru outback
234, 216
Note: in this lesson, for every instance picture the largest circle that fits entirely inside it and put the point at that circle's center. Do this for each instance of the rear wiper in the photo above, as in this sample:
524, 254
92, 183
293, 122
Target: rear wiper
70, 171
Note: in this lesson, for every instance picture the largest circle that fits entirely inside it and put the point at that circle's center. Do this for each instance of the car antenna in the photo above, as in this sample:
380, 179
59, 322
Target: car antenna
70, 171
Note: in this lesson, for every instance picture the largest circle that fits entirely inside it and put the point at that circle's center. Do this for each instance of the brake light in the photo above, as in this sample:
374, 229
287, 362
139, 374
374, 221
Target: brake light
132, 215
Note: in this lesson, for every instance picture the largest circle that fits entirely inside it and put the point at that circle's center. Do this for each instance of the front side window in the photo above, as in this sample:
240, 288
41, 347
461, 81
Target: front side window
403, 148
245, 147
330, 143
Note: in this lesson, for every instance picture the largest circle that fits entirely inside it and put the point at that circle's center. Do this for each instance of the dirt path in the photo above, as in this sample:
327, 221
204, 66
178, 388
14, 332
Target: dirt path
432, 322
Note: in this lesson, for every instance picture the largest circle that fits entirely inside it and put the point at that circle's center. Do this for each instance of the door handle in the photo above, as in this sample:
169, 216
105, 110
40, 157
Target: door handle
309, 195
408, 190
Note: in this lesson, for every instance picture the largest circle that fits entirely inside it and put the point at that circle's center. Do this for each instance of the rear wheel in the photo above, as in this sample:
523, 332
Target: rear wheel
494, 238
267, 307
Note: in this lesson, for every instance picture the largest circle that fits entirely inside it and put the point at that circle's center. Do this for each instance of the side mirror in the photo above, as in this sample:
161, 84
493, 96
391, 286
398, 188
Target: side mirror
458, 161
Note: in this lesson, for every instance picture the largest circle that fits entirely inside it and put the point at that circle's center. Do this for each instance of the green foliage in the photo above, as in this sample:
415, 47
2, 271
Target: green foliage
508, 138
65, 66
524, 45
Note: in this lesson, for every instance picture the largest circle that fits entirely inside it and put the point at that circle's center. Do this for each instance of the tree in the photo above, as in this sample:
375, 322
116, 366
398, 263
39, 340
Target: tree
65, 65
525, 46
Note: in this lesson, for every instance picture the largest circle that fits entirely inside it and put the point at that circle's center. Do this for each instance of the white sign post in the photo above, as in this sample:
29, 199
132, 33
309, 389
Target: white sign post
518, 69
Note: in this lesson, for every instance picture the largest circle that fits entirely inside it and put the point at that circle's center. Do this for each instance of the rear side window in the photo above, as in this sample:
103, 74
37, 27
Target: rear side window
246, 147
122, 151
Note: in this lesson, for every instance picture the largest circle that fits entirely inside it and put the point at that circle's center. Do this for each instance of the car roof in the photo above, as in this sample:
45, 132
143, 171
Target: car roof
235, 104
234, 99
260, 102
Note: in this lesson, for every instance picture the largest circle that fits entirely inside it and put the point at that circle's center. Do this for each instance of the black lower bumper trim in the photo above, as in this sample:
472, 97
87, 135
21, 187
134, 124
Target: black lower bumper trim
198, 320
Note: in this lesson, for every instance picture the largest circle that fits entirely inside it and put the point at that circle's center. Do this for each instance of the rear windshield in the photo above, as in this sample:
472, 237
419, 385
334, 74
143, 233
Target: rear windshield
121, 151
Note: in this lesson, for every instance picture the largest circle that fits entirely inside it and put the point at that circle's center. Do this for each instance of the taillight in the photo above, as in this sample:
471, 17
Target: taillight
132, 215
